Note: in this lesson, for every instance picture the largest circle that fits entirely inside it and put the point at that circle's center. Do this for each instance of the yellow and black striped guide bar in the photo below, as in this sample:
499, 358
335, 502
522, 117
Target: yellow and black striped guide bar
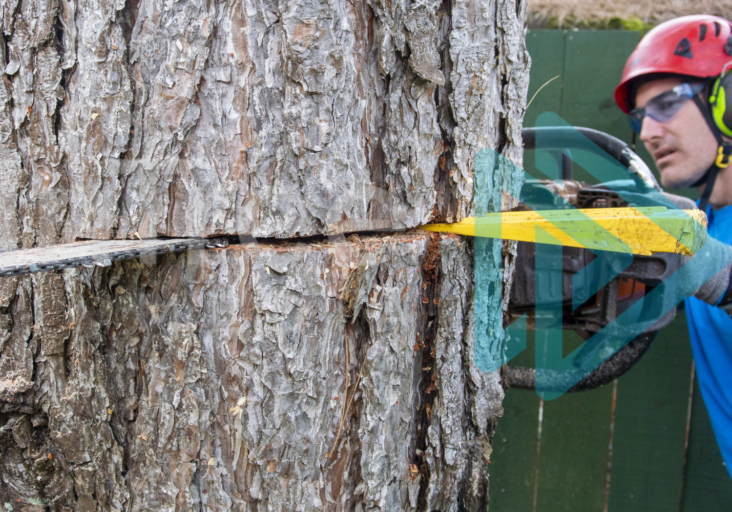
642, 231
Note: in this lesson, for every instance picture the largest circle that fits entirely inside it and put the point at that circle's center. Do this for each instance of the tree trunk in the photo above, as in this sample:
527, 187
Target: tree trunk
334, 372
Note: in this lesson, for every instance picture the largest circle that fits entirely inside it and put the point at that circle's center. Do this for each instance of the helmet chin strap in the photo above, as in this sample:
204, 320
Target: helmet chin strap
724, 153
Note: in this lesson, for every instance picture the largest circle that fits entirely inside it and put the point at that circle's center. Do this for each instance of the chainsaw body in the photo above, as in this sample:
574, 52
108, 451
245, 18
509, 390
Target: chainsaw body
602, 307
632, 283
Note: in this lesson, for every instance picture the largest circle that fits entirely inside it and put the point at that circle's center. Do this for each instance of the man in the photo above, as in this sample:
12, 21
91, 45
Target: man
676, 91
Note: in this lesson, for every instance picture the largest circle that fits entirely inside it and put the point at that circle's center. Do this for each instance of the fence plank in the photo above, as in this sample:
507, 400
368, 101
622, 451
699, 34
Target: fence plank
546, 48
593, 66
513, 463
514, 459
650, 426
707, 483
574, 448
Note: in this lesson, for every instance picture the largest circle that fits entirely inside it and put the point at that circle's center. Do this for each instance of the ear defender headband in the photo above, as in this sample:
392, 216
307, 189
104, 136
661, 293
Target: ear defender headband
719, 99
719, 120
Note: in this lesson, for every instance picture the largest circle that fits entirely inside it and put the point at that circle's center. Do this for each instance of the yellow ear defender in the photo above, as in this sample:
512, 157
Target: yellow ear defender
718, 101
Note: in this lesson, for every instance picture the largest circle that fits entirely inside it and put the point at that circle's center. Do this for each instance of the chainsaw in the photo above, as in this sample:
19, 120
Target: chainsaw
638, 279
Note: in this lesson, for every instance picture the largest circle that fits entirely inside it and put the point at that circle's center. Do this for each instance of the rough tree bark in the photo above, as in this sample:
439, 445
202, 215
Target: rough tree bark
334, 372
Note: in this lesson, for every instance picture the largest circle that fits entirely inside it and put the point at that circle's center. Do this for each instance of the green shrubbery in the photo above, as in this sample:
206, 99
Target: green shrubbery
615, 23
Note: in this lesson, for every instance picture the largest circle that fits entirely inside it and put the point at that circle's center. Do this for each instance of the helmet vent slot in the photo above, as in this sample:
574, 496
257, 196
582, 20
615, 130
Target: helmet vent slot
683, 49
702, 32
728, 45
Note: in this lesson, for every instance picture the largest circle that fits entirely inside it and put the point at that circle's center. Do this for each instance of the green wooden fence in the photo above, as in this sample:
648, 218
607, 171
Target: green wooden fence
643, 443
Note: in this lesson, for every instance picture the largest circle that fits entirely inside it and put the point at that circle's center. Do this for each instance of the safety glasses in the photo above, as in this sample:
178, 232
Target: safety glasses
664, 106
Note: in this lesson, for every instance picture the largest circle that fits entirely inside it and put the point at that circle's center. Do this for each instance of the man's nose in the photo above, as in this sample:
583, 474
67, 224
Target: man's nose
651, 129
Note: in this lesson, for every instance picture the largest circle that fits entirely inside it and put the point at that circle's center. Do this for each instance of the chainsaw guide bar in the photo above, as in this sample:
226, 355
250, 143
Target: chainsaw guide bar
99, 253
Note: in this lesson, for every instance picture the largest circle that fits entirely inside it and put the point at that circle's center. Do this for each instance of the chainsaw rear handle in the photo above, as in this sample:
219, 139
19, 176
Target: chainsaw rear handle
564, 138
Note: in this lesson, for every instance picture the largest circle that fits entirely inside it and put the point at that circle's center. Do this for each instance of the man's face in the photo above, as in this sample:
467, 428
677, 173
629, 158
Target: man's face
683, 147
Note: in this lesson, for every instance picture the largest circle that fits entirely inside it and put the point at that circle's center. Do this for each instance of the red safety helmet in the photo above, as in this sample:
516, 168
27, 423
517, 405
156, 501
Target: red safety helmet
697, 46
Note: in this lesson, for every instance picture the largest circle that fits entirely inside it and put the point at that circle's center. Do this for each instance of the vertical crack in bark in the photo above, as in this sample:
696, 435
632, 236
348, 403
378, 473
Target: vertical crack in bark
30, 311
126, 18
346, 472
57, 124
382, 201
58, 39
446, 206
498, 46
503, 137
501, 133
5, 49
425, 360
359, 333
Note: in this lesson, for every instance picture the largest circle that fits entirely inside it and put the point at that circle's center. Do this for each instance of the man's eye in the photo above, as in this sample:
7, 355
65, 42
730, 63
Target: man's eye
665, 105
668, 104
